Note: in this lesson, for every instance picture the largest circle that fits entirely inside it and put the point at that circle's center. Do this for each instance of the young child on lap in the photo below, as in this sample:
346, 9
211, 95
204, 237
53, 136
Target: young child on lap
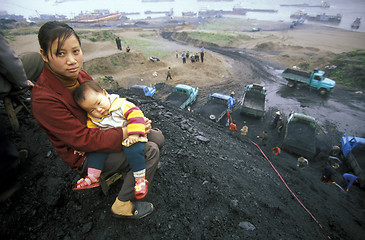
110, 111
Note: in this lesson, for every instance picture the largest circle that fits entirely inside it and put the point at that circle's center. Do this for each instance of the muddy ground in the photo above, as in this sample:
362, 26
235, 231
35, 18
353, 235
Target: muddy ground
213, 183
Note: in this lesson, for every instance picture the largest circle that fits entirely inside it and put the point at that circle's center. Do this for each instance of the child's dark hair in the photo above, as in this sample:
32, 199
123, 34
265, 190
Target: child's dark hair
79, 92
51, 31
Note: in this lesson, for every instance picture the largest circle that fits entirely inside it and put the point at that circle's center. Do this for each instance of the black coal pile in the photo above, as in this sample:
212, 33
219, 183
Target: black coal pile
213, 183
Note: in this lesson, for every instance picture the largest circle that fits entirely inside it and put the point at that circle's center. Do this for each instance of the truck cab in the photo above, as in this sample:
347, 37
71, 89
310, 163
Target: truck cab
318, 81
226, 100
353, 151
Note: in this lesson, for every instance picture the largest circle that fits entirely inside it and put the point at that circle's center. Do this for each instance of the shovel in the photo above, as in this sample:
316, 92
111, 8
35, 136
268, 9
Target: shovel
105, 183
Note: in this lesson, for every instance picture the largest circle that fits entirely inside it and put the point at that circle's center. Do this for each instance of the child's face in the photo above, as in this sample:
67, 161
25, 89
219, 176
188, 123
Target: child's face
97, 104
68, 60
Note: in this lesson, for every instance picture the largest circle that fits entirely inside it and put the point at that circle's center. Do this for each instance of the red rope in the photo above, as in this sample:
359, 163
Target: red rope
286, 185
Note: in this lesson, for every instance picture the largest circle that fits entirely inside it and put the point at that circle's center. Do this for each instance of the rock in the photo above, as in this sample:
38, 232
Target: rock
87, 227
49, 153
247, 226
202, 139
234, 203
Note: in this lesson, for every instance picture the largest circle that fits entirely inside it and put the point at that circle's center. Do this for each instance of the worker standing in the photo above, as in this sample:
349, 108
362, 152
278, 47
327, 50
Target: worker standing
233, 126
244, 129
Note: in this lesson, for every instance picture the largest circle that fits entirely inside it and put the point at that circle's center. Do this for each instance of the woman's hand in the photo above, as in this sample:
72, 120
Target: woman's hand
30, 83
148, 125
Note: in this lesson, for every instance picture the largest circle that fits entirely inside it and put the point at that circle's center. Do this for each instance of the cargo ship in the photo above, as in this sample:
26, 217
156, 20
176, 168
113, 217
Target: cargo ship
356, 23
188, 14
325, 18
303, 5
98, 18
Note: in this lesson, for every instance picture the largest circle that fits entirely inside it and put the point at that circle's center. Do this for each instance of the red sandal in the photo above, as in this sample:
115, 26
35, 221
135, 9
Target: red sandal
86, 183
141, 188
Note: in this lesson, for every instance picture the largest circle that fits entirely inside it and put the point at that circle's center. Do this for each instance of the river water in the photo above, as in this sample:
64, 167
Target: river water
350, 9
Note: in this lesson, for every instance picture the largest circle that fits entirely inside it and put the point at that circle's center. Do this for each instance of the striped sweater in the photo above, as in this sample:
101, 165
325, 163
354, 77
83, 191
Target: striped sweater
122, 113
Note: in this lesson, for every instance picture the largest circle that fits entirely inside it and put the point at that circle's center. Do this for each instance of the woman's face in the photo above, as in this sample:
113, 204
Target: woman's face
68, 60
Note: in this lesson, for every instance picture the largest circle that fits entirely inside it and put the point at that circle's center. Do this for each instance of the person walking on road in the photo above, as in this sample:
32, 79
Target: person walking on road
168, 74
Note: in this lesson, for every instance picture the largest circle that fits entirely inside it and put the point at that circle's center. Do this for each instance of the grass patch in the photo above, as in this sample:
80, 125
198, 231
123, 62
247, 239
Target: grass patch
147, 35
147, 48
271, 37
216, 38
206, 38
10, 38
96, 36
304, 66
350, 69
224, 25
155, 53
106, 66
10, 34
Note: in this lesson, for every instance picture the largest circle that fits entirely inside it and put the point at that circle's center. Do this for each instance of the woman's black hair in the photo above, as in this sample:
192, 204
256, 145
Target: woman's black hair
54, 30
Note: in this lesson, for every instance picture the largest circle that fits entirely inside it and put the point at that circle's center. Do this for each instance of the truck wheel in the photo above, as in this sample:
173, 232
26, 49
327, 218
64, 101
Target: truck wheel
322, 91
291, 84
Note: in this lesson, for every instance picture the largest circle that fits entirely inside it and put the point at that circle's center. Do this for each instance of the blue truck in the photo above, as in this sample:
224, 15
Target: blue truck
217, 106
142, 89
350, 145
314, 79
182, 96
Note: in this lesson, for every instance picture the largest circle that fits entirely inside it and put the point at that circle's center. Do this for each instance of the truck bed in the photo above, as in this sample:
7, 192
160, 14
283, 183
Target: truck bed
295, 75
253, 104
212, 108
176, 98
254, 100
300, 139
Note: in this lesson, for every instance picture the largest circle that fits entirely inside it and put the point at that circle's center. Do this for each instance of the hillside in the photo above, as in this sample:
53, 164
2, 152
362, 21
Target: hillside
212, 184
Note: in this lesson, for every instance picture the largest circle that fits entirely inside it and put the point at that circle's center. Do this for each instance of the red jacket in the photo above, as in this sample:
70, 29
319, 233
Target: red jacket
233, 126
64, 121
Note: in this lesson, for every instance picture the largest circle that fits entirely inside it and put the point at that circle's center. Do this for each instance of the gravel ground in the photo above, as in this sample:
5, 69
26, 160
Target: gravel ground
213, 184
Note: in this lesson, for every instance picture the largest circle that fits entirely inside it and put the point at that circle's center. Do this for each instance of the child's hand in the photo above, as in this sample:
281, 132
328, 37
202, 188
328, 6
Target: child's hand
133, 139
148, 125
78, 152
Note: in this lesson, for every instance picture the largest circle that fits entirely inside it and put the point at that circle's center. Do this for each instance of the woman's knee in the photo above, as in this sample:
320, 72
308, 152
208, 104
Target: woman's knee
157, 137
152, 152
